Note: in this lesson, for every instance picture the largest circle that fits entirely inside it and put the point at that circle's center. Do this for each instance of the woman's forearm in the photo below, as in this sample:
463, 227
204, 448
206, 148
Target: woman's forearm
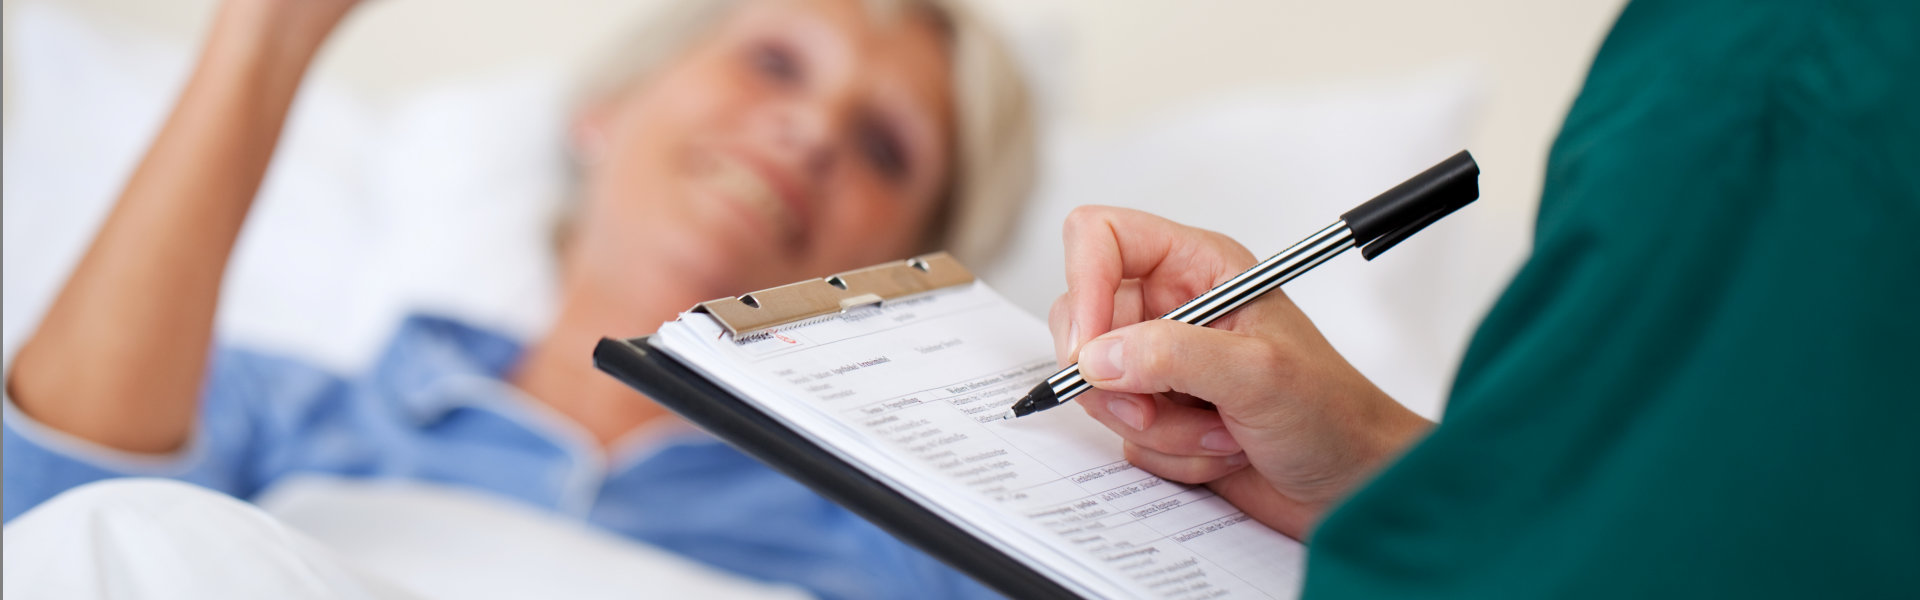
120, 356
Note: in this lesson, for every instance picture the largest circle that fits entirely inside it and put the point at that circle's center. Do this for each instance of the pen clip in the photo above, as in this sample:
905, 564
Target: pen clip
1398, 213
1388, 239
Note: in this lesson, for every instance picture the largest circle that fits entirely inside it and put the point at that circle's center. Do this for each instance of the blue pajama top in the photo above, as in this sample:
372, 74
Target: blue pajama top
434, 408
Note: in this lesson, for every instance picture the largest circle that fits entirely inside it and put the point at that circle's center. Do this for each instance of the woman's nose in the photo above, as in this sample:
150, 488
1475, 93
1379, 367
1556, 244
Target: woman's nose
802, 133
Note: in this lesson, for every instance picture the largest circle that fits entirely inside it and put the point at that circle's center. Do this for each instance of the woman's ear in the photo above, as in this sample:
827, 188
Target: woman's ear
590, 133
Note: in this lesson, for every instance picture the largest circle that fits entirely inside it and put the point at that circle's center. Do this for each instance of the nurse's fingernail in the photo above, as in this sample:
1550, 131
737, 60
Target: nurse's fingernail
1100, 360
1219, 440
1237, 460
1128, 411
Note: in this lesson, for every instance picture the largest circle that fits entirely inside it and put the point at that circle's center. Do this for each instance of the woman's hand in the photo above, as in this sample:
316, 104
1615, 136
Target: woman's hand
1258, 406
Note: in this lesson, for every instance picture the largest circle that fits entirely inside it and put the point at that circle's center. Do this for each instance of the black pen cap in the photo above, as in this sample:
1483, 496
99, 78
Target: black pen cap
1414, 204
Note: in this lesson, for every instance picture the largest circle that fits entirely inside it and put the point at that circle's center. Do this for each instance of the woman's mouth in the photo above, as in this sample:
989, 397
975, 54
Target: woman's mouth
758, 194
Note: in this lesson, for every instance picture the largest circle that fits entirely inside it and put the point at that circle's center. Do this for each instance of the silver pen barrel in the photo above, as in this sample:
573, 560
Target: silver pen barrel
1233, 293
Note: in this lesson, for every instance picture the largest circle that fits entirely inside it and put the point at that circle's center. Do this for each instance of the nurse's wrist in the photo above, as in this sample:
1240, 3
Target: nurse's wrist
1378, 433
1391, 430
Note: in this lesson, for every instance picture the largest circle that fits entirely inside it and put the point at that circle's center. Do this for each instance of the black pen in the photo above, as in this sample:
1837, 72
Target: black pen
1374, 227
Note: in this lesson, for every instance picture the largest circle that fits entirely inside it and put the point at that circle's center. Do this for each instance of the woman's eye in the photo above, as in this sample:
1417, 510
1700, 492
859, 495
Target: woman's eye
882, 148
777, 62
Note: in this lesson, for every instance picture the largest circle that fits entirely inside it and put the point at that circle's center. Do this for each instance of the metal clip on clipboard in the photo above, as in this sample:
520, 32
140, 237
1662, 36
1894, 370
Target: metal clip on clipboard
795, 302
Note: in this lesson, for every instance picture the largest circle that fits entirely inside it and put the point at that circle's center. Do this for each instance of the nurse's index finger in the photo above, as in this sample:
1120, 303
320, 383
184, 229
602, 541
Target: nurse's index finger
1104, 246
1107, 245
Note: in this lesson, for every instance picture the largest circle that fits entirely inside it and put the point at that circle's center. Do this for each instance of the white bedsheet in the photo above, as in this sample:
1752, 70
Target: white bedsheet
446, 542
323, 538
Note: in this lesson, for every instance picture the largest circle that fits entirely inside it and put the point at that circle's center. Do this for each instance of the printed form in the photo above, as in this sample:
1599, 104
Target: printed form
912, 393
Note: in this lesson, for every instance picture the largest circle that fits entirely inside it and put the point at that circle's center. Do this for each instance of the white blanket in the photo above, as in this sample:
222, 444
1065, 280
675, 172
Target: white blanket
319, 538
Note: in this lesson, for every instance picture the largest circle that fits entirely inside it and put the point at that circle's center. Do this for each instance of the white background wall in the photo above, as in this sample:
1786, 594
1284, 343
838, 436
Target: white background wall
1126, 59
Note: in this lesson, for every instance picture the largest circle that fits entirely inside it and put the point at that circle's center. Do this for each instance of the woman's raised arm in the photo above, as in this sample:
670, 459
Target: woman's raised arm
122, 353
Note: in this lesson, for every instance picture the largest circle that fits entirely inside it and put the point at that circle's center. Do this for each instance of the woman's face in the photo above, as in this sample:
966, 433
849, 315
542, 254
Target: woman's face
799, 138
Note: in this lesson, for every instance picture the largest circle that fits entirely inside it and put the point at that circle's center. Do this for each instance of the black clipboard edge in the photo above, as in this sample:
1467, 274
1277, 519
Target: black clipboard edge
673, 385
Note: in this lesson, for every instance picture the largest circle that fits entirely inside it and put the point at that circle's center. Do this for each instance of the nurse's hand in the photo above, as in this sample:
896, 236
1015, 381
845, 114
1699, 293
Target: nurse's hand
1257, 406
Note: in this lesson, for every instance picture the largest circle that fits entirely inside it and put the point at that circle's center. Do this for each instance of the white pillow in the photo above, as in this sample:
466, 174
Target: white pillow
436, 202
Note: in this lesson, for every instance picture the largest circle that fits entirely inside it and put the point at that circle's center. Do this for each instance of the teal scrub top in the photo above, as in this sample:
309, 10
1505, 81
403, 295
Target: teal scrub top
1705, 382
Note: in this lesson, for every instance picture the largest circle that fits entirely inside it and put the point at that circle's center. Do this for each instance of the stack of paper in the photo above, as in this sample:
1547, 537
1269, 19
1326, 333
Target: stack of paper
912, 394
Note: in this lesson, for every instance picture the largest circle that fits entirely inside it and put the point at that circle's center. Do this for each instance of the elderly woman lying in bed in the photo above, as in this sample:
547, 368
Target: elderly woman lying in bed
738, 145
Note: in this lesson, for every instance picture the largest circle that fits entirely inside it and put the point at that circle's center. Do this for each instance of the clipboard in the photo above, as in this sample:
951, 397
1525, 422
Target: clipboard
672, 384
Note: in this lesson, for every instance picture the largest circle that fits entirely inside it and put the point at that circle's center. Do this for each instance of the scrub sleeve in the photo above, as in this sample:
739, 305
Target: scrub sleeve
1705, 382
